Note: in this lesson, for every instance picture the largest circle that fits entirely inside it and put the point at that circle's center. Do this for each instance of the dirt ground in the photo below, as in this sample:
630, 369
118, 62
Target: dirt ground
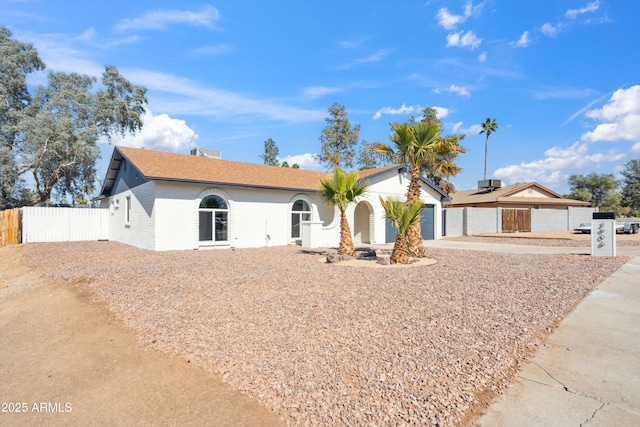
66, 360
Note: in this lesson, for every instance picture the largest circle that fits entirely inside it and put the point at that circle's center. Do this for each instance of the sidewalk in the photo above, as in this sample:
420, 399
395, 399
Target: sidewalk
588, 370
587, 373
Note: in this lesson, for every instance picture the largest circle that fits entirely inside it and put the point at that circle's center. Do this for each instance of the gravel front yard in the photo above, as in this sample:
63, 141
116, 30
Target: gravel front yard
327, 344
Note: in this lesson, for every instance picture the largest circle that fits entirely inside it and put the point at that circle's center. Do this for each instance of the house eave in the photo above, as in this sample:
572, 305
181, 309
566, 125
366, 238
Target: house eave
229, 184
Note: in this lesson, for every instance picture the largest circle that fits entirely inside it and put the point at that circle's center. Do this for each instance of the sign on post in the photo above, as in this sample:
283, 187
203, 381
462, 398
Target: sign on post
603, 234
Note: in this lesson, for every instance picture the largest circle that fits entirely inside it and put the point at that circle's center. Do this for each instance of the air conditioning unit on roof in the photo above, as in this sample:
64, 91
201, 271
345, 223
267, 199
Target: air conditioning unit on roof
489, 184
206, 152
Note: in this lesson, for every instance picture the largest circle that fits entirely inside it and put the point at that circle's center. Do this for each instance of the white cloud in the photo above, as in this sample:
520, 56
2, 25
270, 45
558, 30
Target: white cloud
160, 19
183, 96
457, 90
549, 29
88, 35
404, 109
462, 39
457, 128
523, 41
563, 93
306, 161
482, 57
373, 58
449, 20
315, 92
352, 44
621, 116
441, 112
553, 168
166, 92
473, 129
636, 147
591, 7
161, 133
212, 50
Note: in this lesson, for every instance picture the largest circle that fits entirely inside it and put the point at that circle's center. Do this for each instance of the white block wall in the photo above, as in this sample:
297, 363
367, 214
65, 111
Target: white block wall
140, 231
44, 224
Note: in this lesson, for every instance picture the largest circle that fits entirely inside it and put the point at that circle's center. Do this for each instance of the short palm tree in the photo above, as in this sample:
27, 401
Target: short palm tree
340, 190
414, 144
488, 127
401, 217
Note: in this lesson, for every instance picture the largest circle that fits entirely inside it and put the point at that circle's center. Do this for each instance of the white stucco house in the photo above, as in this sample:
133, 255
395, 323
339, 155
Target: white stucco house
165, 201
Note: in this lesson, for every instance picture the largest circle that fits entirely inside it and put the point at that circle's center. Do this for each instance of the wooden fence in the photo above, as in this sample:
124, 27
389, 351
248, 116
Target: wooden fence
10, 226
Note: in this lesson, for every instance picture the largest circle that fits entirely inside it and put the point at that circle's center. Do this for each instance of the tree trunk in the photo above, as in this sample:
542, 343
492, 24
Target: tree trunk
346, 242
413, 236
399, 254
486, 151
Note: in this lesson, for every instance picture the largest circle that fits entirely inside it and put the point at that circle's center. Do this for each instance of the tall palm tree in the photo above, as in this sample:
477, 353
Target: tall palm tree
488, 127
340, 190
414, 144
401, 218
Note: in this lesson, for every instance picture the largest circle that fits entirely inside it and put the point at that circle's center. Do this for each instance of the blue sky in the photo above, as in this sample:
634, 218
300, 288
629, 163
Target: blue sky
561, 78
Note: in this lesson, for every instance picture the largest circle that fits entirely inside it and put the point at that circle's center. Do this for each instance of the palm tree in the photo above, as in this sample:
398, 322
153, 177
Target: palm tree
415, 144
488, 127
401, 217
340, 190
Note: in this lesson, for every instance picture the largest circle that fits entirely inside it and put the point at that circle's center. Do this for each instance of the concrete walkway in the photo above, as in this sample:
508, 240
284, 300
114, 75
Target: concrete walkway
588, 370
587, 373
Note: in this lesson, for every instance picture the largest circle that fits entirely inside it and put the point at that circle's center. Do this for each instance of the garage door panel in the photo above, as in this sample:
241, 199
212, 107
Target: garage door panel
427, 221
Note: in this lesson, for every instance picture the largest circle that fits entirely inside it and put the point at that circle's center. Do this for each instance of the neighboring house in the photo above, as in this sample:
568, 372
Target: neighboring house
165, 201
529, 195
520, 207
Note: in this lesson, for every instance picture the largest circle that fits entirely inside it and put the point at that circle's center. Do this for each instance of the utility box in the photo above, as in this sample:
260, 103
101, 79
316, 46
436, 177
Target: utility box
603, 234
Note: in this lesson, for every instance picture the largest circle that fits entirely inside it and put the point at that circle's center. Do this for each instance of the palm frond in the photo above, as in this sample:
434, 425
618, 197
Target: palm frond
342, 189
400, 216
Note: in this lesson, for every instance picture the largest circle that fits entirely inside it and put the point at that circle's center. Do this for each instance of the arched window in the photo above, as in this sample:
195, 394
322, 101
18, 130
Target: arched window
300, 211
214, 219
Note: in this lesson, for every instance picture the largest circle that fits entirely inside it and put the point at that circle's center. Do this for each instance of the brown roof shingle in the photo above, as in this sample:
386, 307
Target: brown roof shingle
181, 167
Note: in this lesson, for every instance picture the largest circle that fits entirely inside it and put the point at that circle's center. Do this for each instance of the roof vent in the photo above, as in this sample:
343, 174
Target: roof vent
205, 152
489, 184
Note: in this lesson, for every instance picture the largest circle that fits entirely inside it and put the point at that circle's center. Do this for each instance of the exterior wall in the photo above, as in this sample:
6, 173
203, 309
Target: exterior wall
579, 216
549, 220
140, 231
481, 220
165, 215
469, 221
455, 224
256, 217
532, 192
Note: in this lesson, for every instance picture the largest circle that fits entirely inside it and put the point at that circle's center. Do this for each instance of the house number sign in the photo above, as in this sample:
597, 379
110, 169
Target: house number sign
603, 237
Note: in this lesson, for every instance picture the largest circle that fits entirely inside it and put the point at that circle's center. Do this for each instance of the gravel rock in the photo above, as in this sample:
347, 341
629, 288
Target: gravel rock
327, 344
384, 260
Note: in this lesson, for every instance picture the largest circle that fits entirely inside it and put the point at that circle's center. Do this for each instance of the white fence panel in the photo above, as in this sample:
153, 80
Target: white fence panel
41, 224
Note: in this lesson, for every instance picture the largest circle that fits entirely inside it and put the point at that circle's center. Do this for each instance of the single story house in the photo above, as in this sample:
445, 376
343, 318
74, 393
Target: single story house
166, 201
511, 208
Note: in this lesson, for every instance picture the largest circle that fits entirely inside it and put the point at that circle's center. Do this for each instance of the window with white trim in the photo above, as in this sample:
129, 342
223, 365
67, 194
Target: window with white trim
213, 219
300, 211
